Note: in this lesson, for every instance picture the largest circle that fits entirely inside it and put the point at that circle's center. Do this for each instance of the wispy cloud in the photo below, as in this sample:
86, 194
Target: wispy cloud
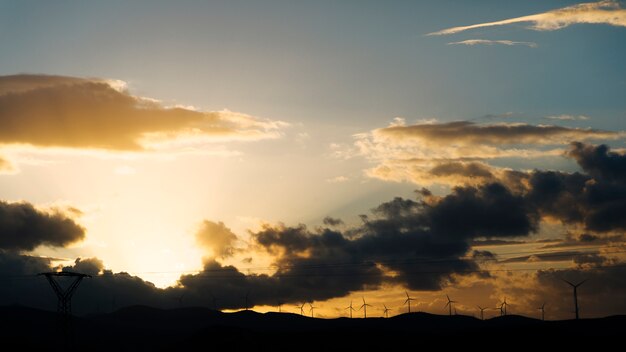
472, 42
338, 179
566, 117
603, 12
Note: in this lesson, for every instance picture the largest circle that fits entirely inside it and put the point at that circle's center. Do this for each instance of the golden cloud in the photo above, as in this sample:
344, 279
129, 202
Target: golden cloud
56, 111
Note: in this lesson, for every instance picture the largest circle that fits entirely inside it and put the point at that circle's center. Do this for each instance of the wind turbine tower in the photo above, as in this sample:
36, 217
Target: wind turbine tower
543, 311
482, 311
504, 305
408, 300
386, 311
301, 308
575, 294
351, 309
364, 307
449, 304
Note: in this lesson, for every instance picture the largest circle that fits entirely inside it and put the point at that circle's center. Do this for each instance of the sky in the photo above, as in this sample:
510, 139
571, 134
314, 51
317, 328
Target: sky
198, 152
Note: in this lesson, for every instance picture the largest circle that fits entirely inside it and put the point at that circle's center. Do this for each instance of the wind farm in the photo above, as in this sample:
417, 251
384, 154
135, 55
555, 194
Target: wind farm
292, 175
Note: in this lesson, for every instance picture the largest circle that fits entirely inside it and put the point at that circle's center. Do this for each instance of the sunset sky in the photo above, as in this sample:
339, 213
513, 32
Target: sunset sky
315, 151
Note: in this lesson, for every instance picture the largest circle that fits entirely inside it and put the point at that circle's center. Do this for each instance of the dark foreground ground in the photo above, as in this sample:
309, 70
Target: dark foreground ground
200, 329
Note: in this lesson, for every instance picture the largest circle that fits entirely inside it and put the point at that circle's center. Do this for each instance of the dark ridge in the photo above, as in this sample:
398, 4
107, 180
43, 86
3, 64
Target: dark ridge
142, 328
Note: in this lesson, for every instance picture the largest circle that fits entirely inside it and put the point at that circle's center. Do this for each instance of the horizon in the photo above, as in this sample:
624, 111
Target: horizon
316, 152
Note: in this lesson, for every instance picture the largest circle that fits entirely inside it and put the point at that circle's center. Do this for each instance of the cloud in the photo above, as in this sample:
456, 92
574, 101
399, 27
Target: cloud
6, 167
216, 237
23, 227
472, 42
565, 117
551, 257
600, 162
472, 134
330, 221
56, 111
420, 244
89, 266
595, 199
602, 12
457, 153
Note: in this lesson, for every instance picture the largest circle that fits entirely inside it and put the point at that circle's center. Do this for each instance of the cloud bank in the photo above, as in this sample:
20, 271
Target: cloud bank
423, 244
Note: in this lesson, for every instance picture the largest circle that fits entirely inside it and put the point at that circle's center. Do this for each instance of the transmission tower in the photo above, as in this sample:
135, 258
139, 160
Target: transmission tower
64, 305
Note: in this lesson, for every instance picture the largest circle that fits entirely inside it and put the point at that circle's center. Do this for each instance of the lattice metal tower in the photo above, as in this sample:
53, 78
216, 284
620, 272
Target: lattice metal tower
64, 305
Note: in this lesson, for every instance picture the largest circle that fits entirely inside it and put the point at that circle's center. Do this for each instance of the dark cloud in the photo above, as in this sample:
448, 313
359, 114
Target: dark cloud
104, 292
22, 227
467, 132
15, 264
425, 246
599, 162
559, 194
330, 221
472, 169
488, 211
89, 266
94, 113
596, 199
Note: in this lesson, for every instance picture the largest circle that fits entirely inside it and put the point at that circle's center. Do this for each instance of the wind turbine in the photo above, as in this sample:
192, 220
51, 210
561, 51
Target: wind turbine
386, 311
350, 309
301, 308
503, 305
408, 300
482, 310
575, 294
501, 310
364, 306
543, 311
449, 304
311, 309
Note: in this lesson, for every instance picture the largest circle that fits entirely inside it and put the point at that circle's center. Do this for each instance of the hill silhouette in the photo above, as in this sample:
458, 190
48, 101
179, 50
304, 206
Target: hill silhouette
193, 329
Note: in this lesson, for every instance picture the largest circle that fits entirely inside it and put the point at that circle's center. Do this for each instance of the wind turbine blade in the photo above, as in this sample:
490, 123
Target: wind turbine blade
571, 284
447, 304
448, 297
582, 282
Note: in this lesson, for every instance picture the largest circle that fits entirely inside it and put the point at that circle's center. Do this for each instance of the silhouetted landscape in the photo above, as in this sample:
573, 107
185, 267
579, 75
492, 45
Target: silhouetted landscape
312, 175
191, 329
